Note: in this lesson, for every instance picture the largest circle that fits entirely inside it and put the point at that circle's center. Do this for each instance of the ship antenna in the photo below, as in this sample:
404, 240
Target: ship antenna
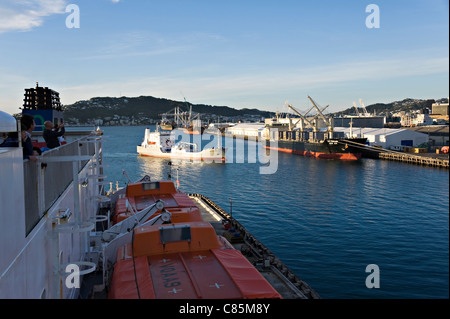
124, 172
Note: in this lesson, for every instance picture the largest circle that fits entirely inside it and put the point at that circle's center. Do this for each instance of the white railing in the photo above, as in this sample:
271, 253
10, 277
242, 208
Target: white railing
46, 179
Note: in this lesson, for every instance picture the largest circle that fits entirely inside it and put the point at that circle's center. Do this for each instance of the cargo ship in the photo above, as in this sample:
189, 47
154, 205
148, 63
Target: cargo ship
305, 138
334, 148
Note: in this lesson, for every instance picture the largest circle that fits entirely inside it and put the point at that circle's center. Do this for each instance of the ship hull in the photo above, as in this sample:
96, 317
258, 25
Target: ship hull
328, 149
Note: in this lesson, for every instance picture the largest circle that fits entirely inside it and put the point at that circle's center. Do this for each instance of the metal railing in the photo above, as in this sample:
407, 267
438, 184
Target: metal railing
45, 181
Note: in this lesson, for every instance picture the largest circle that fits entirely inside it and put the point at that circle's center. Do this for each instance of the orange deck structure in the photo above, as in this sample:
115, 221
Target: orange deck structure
142, 194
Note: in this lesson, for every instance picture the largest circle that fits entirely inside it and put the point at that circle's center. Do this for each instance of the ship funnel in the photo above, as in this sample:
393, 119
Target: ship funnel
146, 135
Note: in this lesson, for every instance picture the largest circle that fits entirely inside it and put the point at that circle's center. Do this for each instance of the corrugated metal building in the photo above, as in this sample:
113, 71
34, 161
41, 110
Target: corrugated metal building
385, 137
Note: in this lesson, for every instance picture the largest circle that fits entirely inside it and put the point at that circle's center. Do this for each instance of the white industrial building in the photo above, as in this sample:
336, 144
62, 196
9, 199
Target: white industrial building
247, 129
387, 138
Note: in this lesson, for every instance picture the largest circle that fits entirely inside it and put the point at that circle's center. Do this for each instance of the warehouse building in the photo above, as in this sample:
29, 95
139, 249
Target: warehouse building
247, 129
387, 138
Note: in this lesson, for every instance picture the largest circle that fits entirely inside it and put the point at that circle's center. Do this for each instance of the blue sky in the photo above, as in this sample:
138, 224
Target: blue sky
236, 53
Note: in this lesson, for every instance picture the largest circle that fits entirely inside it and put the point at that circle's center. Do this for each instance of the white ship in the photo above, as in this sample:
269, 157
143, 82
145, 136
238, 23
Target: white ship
162, 144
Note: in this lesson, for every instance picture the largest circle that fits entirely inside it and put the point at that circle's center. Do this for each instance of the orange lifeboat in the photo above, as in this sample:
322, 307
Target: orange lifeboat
187, 261
182, 259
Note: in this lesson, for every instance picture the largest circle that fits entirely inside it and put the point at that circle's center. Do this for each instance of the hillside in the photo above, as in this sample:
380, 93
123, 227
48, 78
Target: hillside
407, 105
147, 110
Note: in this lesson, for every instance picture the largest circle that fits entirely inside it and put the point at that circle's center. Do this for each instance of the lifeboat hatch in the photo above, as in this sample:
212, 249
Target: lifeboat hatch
175, 233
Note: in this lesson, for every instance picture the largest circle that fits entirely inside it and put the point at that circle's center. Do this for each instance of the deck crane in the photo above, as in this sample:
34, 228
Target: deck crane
304, 115
303, 119
291, 126
327, 122
314, 117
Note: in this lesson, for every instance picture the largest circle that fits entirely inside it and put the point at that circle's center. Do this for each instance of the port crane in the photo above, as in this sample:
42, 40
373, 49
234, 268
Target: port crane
356, 108
363, 107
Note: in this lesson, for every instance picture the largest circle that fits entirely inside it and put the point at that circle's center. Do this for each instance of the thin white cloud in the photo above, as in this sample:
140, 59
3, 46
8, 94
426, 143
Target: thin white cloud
24, 15
147, 43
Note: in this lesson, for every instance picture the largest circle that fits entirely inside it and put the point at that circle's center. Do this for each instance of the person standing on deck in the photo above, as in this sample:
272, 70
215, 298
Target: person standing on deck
28, 124
51, 136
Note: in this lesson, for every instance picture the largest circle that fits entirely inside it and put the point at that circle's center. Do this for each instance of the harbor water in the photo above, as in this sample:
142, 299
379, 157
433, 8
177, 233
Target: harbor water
327, 220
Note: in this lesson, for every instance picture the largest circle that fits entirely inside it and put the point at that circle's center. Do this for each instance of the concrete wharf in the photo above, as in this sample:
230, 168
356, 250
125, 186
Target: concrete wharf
422, 159
426, 159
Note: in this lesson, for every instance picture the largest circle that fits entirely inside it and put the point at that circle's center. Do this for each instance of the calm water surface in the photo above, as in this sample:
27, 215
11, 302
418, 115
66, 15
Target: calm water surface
327, 220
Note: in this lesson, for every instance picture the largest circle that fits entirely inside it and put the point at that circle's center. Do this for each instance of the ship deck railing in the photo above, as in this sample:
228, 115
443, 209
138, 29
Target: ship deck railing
45, 180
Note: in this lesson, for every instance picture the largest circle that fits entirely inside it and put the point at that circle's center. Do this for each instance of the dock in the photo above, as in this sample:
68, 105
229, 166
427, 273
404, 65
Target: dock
423, 159
289, 285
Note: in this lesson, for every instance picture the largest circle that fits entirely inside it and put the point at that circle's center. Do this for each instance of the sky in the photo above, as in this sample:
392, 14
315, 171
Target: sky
238, 53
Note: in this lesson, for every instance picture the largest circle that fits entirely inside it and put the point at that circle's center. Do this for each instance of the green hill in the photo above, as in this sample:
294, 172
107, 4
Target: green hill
145, 108
406, 105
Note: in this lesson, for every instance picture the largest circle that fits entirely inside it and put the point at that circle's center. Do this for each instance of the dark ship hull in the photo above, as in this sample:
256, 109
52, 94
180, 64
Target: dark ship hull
335, 148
